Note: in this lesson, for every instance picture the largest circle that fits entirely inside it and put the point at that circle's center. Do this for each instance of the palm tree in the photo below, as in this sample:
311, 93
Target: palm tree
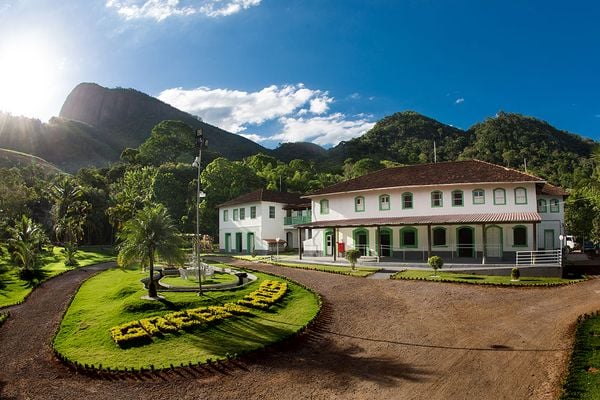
26, 242
149, 234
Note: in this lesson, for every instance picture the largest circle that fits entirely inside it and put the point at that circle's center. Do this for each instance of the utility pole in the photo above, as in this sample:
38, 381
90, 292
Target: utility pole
200, 143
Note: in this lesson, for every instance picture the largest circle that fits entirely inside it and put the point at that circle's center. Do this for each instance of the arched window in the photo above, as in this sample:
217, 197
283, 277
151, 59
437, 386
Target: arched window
542, 207
407, 200
478, 196
437, 199
554, 206
384, 202
409, 237
499, 196
359, 204
457, 198
324, 206
439, 236
520, 195
520, 236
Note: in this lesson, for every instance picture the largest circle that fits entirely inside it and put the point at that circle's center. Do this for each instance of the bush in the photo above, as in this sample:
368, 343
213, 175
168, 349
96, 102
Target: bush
435, 262
515, 274
352, 256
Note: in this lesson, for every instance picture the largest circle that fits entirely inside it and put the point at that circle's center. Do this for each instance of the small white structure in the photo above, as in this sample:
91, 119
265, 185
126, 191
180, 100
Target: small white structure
251, 223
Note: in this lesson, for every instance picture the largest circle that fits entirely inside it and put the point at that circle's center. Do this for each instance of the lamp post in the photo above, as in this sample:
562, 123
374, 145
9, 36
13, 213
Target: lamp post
201, 142
277, 247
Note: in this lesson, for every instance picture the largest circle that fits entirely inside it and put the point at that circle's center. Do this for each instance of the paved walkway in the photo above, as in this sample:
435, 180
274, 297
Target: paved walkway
376, 339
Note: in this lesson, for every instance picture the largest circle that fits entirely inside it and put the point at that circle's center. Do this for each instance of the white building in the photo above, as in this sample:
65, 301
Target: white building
467, 211
252, 222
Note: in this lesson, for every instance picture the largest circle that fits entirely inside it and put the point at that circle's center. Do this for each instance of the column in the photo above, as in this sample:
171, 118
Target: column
484, 253
378, 241
428, 240
334, 240
300, 243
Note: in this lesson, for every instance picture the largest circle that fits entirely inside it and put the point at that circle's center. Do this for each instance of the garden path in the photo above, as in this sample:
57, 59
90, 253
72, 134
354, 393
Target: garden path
376, 339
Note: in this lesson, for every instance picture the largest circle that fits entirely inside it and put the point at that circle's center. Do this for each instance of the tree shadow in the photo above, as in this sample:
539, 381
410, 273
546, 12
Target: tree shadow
310, 356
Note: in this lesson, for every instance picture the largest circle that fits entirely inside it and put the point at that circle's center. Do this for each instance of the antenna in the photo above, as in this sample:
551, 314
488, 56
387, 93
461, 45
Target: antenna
434, 153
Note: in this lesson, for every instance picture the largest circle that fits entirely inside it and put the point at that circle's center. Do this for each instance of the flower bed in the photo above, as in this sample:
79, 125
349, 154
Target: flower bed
139, 333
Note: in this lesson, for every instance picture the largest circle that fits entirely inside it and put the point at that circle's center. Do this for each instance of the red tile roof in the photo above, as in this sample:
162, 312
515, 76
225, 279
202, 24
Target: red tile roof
551, 190
456, 219
265, 195
443, 173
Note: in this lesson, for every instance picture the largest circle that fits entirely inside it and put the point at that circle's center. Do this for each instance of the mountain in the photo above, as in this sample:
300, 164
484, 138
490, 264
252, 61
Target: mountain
11, 158
305, 150
405, 137
513, 139
96, 124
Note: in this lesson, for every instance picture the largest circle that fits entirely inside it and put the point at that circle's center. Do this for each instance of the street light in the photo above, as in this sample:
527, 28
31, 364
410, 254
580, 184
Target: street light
201, 142
277, 245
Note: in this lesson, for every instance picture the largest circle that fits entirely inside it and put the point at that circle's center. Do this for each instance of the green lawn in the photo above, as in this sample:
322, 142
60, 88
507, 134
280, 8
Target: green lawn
13, 290
583, 380
114, 297
343, 270
193, 282
412, 274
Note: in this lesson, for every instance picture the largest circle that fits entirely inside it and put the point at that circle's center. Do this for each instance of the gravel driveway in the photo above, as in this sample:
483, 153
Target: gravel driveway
376, 339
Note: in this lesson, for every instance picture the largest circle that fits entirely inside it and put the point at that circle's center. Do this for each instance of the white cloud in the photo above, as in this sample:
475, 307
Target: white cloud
254, 137
235, 110
162, 9
459, 100
322, 130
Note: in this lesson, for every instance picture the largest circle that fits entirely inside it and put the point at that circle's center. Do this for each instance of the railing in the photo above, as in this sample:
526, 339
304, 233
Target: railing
297, 219
540, 257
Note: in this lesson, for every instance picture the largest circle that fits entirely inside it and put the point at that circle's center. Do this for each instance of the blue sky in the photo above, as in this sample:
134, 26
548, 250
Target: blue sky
314, 70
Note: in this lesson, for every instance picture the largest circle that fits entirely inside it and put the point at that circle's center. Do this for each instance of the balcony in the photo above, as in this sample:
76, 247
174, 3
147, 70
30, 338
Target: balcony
297, 219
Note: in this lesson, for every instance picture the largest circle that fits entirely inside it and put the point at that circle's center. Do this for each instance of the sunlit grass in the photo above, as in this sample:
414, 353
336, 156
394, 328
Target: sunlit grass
114, 297
342, 270
217, 278
14, 290
480, 279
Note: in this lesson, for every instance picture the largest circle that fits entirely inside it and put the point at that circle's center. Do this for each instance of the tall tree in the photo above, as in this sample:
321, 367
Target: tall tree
27, 239
68, 214
130, 194
150, 234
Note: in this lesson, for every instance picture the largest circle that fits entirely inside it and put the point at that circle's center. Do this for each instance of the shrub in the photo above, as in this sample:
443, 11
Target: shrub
515, 274
130, 334
352, 256
435, 262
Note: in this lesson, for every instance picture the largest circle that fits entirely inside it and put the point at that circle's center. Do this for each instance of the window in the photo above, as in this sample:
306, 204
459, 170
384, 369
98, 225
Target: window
384, 202
235, 214
520, 195
478, 196
439, 236
242, 213
359, 204
271, 212
324, 206
253, 212
499, 196
520, 236
407, 200
437, 199
542, 207
554, 207
457, 198
225, 215
408, 237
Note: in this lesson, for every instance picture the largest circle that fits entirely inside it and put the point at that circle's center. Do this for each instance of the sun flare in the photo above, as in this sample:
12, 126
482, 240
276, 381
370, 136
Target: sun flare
29, 74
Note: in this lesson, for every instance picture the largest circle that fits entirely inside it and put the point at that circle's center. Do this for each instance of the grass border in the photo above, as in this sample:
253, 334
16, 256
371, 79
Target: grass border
110, 374
311, 267
3, 317
398, 277
579, 358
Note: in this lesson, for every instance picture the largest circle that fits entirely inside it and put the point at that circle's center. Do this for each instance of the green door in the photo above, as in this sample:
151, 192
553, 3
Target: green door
227, 242
250, 242
238, 242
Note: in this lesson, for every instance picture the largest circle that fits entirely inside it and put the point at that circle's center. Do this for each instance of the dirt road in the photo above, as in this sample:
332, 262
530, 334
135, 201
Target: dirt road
376, 340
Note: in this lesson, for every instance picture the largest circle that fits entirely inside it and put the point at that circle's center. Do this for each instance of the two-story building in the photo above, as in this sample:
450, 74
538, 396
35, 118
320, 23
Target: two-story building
253, 222
469, 211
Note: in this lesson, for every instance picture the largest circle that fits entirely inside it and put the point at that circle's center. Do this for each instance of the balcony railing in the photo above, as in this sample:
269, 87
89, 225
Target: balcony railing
297, 219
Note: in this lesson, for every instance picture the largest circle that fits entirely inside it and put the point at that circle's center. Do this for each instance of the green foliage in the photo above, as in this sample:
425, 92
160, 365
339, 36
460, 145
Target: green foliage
25, 246
494, 280
515, 274
130, 194
150, 234
174, 187
169, 142
435, 262
352, 256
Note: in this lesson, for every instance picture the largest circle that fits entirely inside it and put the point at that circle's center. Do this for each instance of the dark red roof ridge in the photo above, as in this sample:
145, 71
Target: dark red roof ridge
441, 173
263, 194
